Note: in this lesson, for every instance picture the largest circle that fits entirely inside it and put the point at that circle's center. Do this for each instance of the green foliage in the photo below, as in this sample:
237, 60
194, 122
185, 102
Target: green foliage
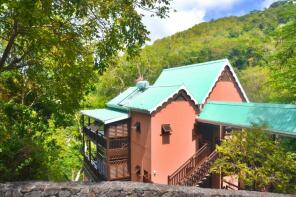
255, 81
284, 66
69, 32
32, 148
50, 54
21, 156
63, 150
259, 161
249, 43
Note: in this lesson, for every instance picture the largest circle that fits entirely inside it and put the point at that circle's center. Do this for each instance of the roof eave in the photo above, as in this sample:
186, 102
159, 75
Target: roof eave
282, 133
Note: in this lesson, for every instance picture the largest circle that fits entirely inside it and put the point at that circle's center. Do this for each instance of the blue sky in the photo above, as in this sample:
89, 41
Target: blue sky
191, 12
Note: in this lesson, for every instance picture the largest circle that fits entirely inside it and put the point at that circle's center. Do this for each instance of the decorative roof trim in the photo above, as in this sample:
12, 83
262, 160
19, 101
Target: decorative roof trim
237, 81
172, 95
217, 78
182, 87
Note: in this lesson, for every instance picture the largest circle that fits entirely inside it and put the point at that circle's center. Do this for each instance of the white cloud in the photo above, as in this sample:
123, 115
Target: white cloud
189, 13
178, 21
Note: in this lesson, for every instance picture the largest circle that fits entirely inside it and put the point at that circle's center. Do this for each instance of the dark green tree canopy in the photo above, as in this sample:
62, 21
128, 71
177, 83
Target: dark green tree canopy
69, 31
48, 49
258, 160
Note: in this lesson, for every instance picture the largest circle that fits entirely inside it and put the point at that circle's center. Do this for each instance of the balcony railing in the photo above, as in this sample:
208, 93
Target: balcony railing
118, 153
119, 169
118, 143
110, 157
98, 168
189, 166
95, 135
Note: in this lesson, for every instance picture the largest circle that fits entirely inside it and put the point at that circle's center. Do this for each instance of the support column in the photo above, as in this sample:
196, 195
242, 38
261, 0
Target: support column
221, 133
89, 149
216, 179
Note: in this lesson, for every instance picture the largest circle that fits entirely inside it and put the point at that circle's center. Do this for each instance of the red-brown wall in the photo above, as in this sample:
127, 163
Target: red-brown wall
168, 156
226, 89
140, 144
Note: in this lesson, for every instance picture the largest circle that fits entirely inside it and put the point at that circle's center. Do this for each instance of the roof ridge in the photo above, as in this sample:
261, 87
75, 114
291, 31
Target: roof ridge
196, 64
164, 86
253, 104
129, 94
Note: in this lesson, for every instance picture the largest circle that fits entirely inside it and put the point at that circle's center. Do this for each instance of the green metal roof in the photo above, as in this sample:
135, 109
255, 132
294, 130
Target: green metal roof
127, 94
105, 115
199, 79
280, 118
153, 97
145, 100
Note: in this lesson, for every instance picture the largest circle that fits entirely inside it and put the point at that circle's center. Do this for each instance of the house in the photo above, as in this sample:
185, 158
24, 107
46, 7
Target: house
167, 132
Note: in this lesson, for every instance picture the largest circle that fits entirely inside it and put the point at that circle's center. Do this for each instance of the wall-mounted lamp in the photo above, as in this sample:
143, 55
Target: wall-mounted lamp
154, 172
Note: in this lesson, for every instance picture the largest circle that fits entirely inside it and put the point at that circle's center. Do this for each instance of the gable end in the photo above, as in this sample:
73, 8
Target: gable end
227, 74
181, 95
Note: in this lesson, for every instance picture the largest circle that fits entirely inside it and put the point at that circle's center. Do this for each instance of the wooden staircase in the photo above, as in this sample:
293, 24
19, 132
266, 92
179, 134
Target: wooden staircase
196, 169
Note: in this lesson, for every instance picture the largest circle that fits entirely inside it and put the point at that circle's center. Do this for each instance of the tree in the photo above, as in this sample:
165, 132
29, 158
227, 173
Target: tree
21, 157
258, 161
49, 54
252, 46
34, 32
255, 81
284, 66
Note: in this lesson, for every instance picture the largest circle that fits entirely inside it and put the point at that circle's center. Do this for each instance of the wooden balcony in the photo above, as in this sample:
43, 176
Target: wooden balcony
112, 170
97, 169
106, 153
119, 169
118, 130
118, 153
95, 135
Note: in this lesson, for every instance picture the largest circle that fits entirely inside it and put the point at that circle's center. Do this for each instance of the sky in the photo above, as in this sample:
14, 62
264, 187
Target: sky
191, 12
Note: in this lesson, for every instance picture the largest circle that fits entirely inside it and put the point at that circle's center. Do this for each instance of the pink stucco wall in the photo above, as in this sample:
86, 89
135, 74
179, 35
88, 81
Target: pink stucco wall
140, 145
169, 153
225, 91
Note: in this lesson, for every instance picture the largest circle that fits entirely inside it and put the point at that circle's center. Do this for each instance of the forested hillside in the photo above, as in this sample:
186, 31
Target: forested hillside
250, 42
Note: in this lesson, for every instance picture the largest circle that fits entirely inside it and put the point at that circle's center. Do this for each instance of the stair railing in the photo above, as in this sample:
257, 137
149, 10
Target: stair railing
201, 171
188, 167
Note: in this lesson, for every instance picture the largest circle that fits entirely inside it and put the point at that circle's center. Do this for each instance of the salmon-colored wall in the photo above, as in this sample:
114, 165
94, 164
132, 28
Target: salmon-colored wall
225, 91
167, 158
140, 145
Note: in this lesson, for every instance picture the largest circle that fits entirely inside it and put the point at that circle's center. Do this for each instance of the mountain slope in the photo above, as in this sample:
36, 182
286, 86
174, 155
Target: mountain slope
247, 41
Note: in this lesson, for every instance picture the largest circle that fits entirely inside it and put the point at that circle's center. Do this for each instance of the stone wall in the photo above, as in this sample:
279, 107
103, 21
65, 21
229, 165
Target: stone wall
116, 189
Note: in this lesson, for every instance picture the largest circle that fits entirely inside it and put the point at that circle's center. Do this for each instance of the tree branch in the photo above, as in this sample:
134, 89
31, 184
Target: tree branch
9, 45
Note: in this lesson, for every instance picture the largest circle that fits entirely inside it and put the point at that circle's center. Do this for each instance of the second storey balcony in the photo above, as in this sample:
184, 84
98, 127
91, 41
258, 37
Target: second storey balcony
106, 144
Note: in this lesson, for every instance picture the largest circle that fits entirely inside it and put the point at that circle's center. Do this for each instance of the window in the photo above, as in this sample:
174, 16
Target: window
138, 127
166, 129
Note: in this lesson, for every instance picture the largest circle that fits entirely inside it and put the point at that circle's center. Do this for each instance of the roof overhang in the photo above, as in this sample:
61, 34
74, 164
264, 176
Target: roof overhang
106, 116
277, 118
281, 133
